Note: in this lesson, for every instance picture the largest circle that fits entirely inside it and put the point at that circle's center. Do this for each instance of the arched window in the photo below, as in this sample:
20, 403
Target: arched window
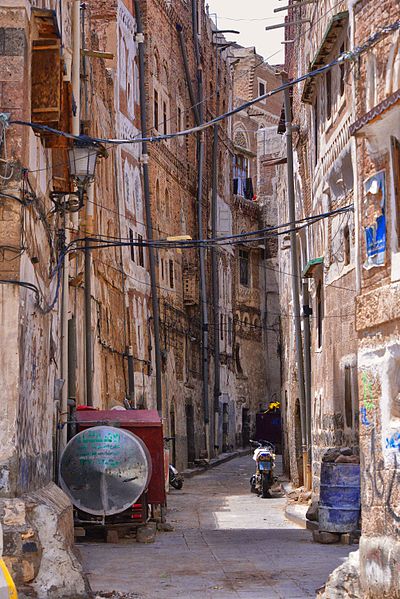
167, 203
240, 139
156, 66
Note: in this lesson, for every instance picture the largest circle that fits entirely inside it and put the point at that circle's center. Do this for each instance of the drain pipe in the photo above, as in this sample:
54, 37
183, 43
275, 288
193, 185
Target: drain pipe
295, 274
215, 285
146, 186
202, 257
88, 299
307, 378
182, 45
198, 117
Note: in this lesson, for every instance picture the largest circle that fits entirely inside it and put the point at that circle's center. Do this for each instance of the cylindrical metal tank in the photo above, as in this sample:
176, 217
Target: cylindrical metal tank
339, 504
104, 470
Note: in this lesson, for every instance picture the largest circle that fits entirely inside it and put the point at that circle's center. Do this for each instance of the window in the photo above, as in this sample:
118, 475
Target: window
328, 90
320, 315
140, 250
179, 119
162, 269
155, 116
171, 274
242, 183
315, 114
238, 362
342, 72
131, 246
165, 120
244, 271
229, 330
261, 88
346, 245
221, 327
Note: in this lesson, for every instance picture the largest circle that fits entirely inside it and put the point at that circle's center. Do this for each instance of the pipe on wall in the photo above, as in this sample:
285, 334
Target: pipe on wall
146, 189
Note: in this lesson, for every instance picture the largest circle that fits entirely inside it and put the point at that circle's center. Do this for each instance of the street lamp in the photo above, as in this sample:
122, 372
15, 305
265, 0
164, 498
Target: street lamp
82, 159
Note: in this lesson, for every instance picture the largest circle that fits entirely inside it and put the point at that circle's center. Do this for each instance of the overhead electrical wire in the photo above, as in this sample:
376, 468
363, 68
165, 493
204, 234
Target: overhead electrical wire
343, 57
238, 76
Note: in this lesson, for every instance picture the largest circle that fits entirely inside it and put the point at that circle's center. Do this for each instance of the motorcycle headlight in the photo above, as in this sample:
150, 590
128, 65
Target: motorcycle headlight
265, 458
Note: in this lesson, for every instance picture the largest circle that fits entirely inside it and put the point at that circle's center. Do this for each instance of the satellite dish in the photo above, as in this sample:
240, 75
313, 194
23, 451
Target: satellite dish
104, 470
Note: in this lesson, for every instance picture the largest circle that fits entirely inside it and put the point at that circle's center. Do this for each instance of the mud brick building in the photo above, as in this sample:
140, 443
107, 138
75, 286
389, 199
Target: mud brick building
78, 328
324, 181
376, 134
346, 153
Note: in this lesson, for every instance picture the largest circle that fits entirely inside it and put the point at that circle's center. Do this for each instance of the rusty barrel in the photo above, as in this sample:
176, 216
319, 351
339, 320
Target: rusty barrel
339, 504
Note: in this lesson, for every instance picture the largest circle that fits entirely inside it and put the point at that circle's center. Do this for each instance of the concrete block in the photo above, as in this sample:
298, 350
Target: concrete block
112, 536
165, 527
79, 531
326, 538
146, 533
14, 512
312, 512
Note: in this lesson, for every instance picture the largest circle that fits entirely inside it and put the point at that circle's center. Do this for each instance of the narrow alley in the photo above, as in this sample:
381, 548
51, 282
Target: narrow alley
227, 544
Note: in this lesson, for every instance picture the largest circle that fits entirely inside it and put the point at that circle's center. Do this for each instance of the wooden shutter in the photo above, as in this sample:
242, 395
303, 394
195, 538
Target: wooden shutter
395, 152
46, 82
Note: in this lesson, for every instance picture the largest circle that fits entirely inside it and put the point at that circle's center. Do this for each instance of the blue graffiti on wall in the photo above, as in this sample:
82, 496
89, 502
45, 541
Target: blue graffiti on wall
364, 416
393, 442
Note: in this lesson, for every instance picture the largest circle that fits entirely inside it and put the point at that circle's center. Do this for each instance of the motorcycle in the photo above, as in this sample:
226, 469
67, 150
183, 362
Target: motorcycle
264, 457
175, 479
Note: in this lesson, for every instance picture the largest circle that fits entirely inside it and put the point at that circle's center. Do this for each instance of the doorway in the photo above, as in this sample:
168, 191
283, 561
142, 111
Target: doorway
191, 449
225, 427
245, 427
172, 434
298, 442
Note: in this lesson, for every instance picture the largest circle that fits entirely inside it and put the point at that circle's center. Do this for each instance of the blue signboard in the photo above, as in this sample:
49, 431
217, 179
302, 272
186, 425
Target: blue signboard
375, 234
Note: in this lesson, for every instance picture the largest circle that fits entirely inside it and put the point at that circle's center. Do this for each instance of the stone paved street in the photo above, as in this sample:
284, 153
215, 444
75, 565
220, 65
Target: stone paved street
227, 544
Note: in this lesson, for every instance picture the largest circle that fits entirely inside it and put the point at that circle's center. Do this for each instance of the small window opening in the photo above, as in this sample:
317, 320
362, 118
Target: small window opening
156, 109
131, 247
171, 274
244, 274
140, 250
342, 72
221, 327
165, 123
328, 81
346, 245
261, 88
238, 363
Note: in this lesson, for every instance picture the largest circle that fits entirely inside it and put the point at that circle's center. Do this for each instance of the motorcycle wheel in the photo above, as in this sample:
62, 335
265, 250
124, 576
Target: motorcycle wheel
177, 484
264, 486
253, 484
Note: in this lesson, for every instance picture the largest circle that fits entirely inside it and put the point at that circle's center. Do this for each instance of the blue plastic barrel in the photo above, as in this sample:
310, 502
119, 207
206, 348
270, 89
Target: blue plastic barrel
339, 503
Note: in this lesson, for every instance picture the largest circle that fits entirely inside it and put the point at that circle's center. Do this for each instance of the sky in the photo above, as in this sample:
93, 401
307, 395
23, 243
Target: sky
250, 18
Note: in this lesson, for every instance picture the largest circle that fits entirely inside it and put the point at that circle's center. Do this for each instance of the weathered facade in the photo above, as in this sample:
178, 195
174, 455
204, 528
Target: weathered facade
346, 154
77, 325
376, 134
322, 111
